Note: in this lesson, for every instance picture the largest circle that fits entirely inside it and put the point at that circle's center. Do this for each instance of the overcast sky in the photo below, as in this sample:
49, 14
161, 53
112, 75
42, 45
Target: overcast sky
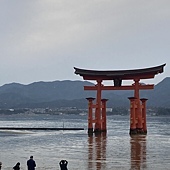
42, 40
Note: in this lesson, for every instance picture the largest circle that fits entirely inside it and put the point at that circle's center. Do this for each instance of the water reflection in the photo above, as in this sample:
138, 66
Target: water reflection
97, 152
138, 152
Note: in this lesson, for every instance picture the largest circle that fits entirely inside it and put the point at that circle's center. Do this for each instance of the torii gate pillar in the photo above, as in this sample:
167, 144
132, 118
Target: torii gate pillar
143, 100
137, 112
135, 121
90, 115
97, 122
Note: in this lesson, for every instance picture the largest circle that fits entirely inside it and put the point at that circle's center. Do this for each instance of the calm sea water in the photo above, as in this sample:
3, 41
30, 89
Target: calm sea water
116, 150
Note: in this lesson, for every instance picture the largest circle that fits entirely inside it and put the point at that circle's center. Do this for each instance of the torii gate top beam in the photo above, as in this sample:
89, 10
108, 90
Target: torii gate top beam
145, 73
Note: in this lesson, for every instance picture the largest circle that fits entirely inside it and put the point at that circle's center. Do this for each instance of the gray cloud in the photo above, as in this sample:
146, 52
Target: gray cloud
45, 39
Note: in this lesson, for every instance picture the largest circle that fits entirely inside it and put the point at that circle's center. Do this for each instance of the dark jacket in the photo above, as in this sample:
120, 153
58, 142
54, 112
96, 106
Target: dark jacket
31, 164
17, 166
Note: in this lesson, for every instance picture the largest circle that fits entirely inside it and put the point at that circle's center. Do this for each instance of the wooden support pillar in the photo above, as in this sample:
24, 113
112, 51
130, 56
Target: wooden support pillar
138, 103
98, 107
133, 124
104, 127
90, 115
143, 100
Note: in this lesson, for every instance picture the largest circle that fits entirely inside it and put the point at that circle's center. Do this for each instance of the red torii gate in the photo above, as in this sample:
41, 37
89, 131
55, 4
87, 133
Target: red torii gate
137, 105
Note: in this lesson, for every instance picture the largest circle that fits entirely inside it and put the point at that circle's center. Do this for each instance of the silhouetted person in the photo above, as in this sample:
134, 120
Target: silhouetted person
17, 166
0, 165
63, 164
31, 163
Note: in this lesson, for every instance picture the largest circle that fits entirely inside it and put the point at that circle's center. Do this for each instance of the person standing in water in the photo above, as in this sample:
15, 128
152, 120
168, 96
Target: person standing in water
31, 163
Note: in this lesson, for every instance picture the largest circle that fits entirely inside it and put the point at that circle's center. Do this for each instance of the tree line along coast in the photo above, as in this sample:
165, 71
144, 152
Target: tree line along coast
154, 111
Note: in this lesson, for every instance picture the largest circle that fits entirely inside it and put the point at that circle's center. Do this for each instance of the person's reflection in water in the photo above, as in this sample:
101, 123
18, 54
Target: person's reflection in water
138, 152
97, 151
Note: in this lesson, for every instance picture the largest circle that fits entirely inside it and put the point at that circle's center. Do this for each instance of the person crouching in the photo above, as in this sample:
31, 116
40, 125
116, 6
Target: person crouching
63, 164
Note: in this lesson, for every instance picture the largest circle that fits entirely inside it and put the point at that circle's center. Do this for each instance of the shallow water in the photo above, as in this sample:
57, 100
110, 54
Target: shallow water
115, 150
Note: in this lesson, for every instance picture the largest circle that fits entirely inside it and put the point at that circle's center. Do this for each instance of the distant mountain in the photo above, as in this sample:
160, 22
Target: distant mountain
160, 95
18, 95
71, 94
